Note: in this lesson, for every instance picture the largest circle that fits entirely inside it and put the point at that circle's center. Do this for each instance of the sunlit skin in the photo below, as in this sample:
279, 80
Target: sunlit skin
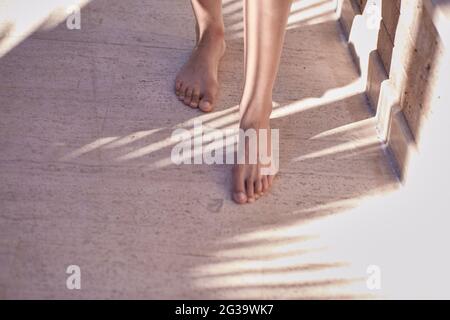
197, 82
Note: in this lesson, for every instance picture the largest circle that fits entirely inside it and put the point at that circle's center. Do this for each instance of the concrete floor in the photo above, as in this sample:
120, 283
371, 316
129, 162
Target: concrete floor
86, 178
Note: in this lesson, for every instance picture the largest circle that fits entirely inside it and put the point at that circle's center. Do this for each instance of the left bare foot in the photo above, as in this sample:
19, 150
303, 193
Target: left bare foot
197, 82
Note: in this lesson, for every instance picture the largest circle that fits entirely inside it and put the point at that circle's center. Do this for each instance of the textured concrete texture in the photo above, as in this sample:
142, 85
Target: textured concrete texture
86, 178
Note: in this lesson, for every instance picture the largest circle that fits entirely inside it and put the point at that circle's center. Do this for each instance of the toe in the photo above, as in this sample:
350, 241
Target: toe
182, 92
188, 96
265, 184
239, 195
250, 190
207, 101
178, 84
205, 105
258, 188
270, 180
195, 98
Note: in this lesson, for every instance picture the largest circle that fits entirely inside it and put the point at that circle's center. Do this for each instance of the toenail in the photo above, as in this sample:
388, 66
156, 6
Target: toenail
240, 197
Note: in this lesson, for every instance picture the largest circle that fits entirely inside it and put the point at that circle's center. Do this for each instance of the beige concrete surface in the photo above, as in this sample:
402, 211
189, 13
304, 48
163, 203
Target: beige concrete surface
86, 179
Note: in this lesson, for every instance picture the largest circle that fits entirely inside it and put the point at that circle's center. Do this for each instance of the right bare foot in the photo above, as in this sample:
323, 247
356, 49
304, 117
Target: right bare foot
197, 82
249, 182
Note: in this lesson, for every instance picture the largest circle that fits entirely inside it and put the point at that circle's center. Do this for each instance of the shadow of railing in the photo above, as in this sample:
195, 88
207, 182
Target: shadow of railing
105, 127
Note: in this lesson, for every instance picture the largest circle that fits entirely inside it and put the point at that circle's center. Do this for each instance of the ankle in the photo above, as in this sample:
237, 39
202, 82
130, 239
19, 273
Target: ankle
255, 115
212, 33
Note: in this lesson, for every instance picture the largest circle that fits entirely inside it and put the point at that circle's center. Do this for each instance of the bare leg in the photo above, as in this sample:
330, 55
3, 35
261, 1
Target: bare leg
196, 83
265, 25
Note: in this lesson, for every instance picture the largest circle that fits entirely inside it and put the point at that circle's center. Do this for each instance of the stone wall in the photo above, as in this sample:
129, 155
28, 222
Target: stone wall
404, 67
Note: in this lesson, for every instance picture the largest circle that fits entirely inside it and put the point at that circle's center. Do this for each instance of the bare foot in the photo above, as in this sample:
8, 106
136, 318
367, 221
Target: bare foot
249, 184
197, 82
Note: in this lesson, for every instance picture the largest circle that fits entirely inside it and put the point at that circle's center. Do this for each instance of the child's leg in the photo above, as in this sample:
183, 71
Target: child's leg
196, 83
265, 25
